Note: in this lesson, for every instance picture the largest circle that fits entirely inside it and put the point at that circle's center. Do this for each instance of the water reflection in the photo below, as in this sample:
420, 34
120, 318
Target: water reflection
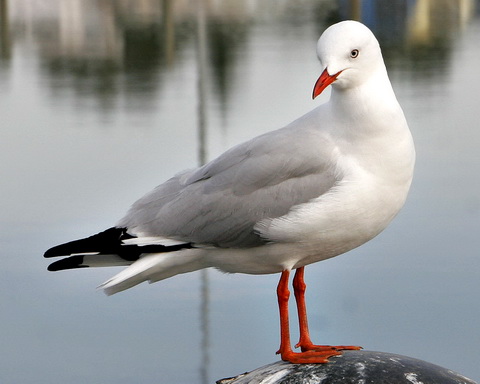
5, 38
105, 55
102, 48
201, 58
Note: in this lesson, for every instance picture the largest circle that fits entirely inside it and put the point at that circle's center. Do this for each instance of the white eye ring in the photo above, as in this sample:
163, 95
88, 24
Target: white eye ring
354, 53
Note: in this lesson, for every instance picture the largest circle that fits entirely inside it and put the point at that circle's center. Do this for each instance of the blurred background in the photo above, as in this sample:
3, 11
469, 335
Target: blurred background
101, 100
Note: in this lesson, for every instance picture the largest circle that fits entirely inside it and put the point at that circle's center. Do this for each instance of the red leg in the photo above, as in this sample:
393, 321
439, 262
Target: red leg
306, 357
283, 295
305, 343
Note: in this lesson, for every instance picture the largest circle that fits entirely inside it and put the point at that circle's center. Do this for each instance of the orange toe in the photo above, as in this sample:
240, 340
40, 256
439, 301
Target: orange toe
310, 357
347, 347
309, 346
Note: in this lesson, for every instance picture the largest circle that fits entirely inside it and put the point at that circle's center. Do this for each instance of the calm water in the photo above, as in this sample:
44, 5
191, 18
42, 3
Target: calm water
102, 100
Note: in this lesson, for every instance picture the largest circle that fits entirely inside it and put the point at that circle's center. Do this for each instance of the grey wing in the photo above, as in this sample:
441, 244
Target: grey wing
221, 202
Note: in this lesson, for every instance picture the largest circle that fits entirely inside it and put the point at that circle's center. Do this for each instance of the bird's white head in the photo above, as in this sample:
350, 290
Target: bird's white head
349, 54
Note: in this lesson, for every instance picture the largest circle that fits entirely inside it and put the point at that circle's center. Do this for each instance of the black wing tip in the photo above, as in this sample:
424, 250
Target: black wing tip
54, 252
93, 243
72, 262
108, 242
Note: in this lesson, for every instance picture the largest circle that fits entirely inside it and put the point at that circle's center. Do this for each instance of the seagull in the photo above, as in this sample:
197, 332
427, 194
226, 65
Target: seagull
321, 186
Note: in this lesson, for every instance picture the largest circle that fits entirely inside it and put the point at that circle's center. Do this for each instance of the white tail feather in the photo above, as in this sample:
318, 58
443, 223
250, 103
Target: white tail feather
154, 267
95, 260
152, 240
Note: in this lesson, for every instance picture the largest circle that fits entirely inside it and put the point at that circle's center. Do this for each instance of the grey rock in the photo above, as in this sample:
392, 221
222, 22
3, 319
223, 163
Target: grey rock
353, 367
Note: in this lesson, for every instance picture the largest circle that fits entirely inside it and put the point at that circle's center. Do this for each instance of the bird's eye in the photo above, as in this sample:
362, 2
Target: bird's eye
354, 53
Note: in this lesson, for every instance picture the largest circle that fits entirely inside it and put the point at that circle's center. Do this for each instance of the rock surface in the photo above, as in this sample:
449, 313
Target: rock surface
353, 367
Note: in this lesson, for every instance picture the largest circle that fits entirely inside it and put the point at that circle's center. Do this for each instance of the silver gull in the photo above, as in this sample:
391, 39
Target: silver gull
326, 183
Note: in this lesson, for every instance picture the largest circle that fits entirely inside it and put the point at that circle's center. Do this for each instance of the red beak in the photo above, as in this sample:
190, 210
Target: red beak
323, 82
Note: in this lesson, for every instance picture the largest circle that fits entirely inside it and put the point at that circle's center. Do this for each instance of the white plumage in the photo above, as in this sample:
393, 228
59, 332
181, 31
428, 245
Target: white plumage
321, 186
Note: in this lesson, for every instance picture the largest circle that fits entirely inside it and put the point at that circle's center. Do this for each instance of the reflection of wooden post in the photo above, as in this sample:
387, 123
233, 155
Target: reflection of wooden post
202, 159
419, 23
466, 10
201, 80
169, 30
5, 41
356, 9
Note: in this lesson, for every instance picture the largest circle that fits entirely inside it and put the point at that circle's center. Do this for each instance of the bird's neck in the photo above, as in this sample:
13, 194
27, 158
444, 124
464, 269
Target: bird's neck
371, 126
371, 100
